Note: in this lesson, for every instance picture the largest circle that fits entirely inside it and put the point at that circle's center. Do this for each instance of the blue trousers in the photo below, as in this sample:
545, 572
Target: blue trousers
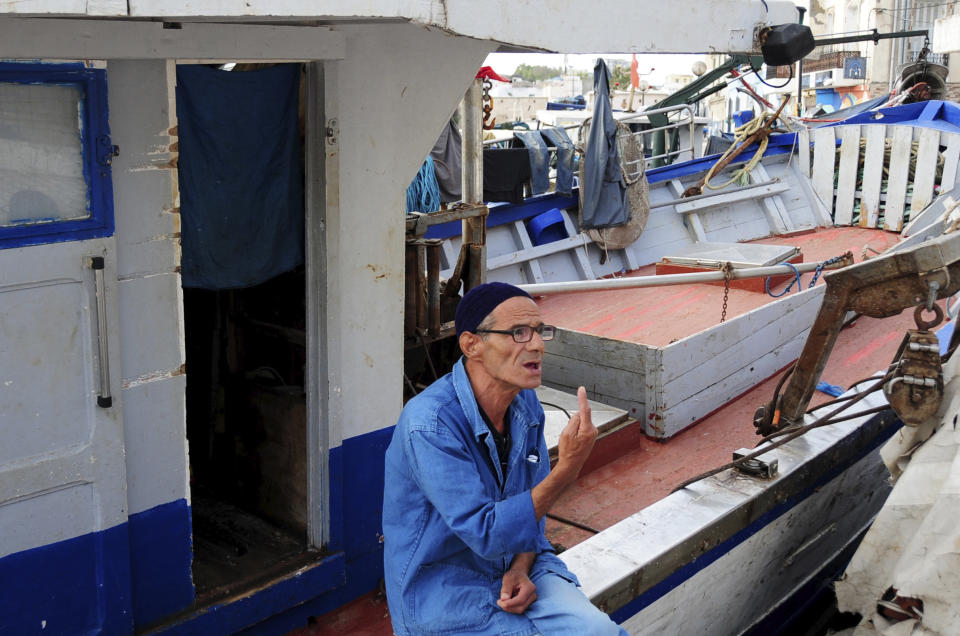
562, 609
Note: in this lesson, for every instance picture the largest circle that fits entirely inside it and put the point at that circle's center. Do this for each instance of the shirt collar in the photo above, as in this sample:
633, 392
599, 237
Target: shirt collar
468, 401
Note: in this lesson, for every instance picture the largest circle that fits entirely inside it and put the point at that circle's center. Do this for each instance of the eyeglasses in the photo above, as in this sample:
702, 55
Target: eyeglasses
524, 333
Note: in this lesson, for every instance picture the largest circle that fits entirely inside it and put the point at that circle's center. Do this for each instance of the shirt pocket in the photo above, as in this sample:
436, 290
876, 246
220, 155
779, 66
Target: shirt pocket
448, 599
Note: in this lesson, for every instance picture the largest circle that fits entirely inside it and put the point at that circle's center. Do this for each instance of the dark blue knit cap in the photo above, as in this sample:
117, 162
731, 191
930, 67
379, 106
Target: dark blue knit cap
480, 301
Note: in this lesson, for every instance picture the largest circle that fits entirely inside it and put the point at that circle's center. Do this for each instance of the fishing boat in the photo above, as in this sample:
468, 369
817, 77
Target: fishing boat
181, 454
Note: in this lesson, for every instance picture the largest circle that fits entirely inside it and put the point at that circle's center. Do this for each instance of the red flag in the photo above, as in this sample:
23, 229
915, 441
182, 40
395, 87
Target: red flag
634, 74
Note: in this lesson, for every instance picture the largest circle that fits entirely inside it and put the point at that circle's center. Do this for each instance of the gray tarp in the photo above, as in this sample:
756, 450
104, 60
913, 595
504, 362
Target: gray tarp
604, 190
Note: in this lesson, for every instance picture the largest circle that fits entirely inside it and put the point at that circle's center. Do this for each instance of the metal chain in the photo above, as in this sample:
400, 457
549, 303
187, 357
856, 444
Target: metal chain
727, 271
487, 101
829, 261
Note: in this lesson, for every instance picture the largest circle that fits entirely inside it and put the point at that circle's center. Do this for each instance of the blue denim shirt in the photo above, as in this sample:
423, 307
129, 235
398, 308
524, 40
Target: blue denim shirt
450, 531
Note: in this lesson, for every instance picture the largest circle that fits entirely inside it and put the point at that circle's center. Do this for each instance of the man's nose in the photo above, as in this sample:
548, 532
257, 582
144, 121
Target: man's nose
536, 342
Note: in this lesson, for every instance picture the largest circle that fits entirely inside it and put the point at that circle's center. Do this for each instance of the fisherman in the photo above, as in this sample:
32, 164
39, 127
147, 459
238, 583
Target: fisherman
468, 482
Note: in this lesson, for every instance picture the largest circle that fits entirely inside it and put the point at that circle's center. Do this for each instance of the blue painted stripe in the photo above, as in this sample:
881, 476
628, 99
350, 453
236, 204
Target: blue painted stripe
691, 569
261, 605
77, 586
501, 213
161, 557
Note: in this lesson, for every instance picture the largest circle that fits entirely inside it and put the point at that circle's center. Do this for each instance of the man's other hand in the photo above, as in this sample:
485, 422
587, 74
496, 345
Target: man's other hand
577, 438
517, 593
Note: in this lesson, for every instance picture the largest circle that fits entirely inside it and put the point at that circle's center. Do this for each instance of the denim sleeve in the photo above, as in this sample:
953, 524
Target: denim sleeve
447, 474
543, 545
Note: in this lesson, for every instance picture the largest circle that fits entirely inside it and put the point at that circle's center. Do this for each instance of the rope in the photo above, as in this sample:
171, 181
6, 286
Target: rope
423, 194
795, 432
740, 135
796, 273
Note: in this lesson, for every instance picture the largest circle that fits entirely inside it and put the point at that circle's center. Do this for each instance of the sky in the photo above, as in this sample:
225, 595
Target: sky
662, 64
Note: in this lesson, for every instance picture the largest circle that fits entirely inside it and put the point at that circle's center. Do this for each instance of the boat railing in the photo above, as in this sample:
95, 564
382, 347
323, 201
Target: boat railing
684, 149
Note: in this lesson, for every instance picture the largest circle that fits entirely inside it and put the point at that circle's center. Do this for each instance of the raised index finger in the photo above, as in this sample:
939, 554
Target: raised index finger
584, 405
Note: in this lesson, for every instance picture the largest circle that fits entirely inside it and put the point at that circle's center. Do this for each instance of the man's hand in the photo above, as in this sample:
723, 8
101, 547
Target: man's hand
518, 592
576, 442
577, 438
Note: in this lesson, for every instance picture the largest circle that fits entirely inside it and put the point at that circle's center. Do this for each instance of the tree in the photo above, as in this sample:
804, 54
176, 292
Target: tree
531, 73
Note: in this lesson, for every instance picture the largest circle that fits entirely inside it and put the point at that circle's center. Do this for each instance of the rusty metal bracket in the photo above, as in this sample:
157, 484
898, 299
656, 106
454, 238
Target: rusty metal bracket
756, 466
879, 288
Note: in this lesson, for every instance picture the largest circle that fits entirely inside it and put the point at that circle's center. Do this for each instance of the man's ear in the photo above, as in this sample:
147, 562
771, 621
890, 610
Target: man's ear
471, 344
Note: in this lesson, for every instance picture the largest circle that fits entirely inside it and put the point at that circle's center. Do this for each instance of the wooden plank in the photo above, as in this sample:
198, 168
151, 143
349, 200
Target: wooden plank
897, 177
792, 314
873, 160
803, 151
773, 208
579, 255
531, 267
105, 40
598, 350
692, 223
681, 412
824, 152
951, 158
728, 198
769, 334
925, 174
847, 174
614, 387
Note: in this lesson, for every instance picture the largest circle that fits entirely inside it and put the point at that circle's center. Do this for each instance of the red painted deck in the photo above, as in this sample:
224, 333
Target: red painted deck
657, 316
632, 471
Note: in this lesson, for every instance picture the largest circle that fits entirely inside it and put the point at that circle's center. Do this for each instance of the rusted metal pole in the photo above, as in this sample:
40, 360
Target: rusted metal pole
433, 287
421, 286
410, 290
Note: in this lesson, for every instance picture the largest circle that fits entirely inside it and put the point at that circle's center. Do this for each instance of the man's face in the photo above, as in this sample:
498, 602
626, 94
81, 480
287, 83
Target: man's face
514, 365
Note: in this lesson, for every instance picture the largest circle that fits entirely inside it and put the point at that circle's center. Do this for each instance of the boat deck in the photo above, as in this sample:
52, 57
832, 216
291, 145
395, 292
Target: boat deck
627, 470
657, 316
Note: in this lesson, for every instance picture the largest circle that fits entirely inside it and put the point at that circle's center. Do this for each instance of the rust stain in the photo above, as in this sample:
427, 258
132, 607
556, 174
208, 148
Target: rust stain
378, 271
174, 131
175, 147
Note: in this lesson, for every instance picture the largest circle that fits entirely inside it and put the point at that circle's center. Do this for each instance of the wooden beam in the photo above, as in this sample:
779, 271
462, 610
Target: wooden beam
48, 38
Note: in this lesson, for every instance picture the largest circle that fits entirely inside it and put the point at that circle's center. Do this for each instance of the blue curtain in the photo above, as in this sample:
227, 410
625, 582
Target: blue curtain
241, 175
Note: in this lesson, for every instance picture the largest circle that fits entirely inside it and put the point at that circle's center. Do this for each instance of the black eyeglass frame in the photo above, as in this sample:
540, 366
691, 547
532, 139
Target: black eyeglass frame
516, 337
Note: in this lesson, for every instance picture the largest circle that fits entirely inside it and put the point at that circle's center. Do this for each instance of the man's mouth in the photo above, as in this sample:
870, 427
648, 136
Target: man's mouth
532, 366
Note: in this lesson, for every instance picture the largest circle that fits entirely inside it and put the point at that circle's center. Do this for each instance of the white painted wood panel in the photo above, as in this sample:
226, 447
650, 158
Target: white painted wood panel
729, 198
803, 151
897, 177
774, 208
873, 162
951, 158
681, 412
847, 174
106, 40
926, 169
532, 267
713, 342
824, 152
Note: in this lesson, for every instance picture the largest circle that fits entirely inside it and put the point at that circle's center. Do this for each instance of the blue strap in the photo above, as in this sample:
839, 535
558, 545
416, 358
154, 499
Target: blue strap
830, 389
796, 273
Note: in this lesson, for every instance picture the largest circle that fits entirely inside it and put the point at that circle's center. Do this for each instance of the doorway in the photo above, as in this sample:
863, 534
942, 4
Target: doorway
244, 299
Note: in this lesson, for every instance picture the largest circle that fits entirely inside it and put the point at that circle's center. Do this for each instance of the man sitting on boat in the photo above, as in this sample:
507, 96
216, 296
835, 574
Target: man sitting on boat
468, 482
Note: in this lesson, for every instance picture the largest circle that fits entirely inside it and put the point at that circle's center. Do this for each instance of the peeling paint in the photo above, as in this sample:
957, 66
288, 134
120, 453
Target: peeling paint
153, 376
155, 165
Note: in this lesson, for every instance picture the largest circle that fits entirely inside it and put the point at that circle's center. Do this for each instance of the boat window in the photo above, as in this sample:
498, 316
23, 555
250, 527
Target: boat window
54, 154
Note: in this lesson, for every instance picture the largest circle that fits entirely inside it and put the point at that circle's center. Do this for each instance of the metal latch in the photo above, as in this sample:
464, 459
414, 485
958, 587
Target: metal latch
756, 466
